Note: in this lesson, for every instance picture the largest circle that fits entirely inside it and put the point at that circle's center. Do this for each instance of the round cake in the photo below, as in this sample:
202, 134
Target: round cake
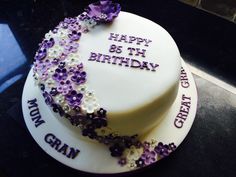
110, 75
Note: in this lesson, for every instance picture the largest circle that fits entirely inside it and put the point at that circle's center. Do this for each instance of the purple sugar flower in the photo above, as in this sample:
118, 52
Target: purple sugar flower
43, 67
83, 16
116, 150
77, 119
53, 91
71, 47
64, 87
74, 98
55, 61
57, 109
162, 150
101, 112
48, 43
89, 131
70, 20
40, 54
74, 27
79, 77
103, 11
74, 35
48, 98
148, 157
61, 65
60, 74
99, 122
172, 147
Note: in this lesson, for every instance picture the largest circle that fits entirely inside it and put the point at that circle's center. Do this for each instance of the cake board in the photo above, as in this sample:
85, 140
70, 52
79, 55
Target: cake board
54, 137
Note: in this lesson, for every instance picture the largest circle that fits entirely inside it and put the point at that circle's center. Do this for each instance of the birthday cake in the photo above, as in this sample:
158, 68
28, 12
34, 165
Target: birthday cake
112, 74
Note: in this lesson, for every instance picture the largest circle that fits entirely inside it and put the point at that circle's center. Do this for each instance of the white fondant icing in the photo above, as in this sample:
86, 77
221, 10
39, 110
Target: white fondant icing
135, 99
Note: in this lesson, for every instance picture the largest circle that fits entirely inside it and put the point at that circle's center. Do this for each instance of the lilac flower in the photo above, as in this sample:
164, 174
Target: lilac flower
79, 77
103, 11
116, 150
74, 35
70, 20
64, 87
62, 42
40, 54
43, 67
48, 43
71, 47
55, 61
148, 157
162, 150
60, 74
74, 98
48, 98
74, 27
83, 16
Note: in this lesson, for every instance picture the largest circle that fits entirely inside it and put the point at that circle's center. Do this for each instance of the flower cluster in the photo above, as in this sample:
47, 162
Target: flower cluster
103, 11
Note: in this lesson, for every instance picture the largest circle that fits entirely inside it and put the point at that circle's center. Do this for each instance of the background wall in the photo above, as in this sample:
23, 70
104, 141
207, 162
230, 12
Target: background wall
223, 8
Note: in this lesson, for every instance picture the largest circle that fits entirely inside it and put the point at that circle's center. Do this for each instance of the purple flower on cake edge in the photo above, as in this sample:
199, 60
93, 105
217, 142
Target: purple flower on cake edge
103, 11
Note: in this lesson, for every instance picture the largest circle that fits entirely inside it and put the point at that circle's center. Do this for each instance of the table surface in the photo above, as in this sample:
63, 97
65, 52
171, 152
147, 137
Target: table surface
206, 41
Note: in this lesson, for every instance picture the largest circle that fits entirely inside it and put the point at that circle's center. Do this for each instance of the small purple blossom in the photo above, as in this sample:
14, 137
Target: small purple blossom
148, 157
79, 77
101, 112
42, 66
61, 65
48, 43
103, 11
74, 35
40, 54
74, 27
74, 98
162, 150
71, 47
172, 147
60, 74
116, 150
77, 119
89, 131
99, 122
55, 61
64, 87
48, 98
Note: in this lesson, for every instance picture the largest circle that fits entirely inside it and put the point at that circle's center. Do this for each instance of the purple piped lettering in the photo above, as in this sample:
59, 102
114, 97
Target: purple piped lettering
154, 66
